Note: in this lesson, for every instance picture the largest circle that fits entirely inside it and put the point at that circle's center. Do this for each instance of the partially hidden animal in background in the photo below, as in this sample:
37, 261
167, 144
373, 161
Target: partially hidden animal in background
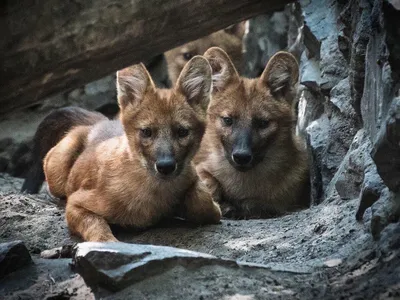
49, 132
60, 121
137, 171
229, 39
250, 159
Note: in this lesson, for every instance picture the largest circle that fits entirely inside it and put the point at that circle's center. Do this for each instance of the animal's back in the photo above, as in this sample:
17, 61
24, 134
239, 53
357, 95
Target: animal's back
50, 131
105, 130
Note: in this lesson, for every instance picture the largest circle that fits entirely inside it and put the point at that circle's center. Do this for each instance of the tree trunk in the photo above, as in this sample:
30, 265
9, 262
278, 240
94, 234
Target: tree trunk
50, 46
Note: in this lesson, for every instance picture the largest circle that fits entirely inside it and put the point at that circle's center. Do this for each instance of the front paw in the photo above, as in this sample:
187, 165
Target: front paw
109, 238
211, 183
231, 212
215, 214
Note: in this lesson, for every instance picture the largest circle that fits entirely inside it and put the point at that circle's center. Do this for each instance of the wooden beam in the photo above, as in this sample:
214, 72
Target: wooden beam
50, 46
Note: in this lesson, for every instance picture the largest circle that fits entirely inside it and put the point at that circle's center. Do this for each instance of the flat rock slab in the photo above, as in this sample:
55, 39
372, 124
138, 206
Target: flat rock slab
13, 255
117, 265
133, 269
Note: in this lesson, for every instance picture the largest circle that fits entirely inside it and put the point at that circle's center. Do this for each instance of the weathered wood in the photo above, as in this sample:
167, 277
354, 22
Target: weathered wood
50, 46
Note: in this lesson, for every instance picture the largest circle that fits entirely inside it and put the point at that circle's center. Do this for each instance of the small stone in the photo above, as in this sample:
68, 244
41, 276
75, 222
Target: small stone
117, 265
59, 252
13, 256
349, 281
333, 262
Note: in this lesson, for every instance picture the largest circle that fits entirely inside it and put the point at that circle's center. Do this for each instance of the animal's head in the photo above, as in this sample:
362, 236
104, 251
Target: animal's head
229, 39
165, 127
251, 118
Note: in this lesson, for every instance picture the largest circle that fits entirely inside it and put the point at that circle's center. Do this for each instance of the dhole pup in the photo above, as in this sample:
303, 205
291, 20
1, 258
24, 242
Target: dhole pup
135, 171
250, 159
230, 39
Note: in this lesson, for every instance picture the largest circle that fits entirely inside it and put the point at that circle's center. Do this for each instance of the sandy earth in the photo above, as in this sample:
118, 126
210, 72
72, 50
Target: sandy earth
319, 253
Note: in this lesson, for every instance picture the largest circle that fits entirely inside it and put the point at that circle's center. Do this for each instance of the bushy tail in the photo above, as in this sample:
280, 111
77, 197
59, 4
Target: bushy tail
49, 133
59, 161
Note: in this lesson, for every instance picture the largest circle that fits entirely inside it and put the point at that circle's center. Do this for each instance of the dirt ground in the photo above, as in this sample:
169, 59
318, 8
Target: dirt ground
318, 253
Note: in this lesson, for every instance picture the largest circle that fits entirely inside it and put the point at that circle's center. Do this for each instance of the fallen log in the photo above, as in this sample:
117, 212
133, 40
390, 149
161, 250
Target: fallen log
51, 46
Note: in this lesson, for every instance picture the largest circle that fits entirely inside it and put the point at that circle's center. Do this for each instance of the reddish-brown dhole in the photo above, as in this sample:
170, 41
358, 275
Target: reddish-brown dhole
230, 39
137, 170
250, 158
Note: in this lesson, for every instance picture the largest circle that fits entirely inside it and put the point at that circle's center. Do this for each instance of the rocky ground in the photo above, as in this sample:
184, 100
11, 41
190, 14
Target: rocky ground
319, 253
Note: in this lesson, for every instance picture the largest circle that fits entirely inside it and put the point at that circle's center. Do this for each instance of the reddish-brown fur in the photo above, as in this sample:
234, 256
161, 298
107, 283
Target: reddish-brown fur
229, 39
253, 116
110, 172
50, 131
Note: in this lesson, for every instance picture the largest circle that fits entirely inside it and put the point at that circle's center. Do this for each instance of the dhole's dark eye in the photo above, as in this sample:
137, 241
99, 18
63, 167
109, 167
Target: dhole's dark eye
146, 132
227, 121
183, 132
187, 55
262, 123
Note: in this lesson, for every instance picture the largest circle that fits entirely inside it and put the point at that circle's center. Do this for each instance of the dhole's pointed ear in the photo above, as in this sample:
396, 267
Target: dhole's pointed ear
132, 84
223, 70
238, 29
281, 75
195, 83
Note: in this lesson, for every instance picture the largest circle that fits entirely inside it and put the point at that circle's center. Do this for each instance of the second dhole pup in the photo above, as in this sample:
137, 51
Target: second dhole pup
250, 158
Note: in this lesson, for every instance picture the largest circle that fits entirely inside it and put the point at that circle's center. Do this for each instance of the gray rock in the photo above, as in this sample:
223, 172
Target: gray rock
311, 43
64, 251
316, 143
323, 25
13, 256
386, 152
361, 25
117, 265
267, 35
371, 187
366, 219
330, 138
102, 85
56, 101
348, 178
333, 64
310, 73
391, 17
384, 211
310, 108
342, 129
340, 97
395, 3
378, 89
390, 238
15, 157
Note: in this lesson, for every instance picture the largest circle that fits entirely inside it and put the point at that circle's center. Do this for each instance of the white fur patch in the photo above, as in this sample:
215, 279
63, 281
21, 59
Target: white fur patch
131, 86
194, 85
219, 79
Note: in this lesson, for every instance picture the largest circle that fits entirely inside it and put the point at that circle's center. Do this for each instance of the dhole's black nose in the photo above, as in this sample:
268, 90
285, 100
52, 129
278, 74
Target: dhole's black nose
242, 158
166, 166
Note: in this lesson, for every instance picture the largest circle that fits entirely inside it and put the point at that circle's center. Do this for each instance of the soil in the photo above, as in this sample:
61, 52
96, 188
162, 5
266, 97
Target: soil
318, 253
